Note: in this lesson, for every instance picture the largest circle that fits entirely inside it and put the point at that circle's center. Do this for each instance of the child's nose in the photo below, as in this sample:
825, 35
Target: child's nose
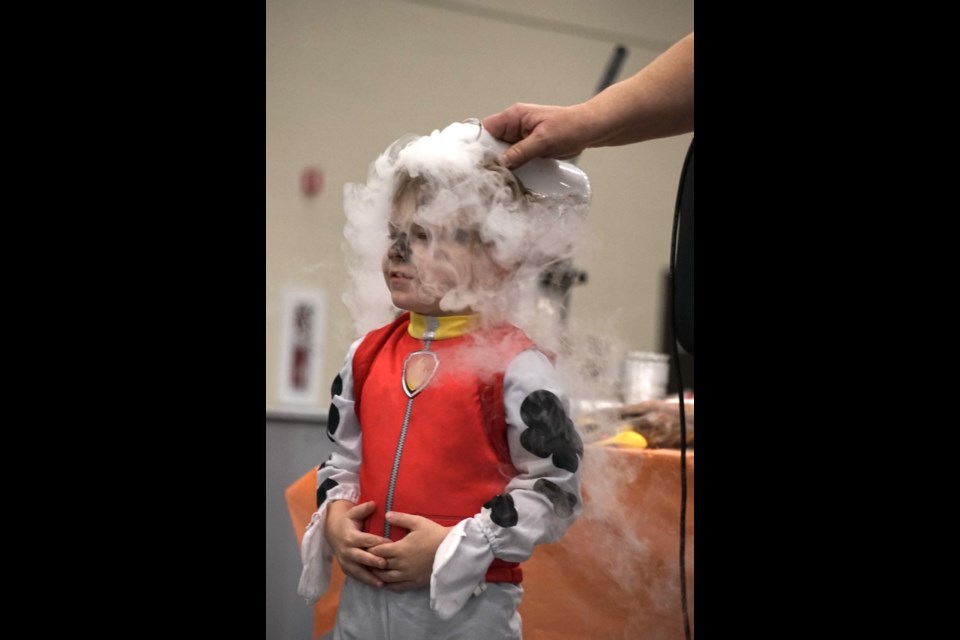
399, 250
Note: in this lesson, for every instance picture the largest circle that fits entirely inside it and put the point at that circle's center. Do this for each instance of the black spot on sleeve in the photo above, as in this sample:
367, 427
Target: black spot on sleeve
550, 432
563, 501
333, 421
333, 416
337, 387
502, 511
325, 486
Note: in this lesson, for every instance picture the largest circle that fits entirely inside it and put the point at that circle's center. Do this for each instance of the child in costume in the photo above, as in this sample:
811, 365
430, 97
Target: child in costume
453, 451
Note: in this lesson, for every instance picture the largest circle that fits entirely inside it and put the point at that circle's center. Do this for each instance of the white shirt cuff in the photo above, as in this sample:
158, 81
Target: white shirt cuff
315, 553
459, 568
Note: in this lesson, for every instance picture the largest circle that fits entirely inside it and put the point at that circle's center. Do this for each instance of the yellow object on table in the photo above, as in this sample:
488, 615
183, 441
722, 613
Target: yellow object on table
626, 438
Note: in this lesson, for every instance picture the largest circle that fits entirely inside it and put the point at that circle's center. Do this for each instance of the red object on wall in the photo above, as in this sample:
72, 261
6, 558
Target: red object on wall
311, 181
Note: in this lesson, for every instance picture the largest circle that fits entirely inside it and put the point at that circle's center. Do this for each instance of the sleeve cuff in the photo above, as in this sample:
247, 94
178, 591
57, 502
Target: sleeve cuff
315, 553
459, 568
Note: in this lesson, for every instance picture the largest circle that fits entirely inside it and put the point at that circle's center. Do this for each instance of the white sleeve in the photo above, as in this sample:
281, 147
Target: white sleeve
337, 479
538, 505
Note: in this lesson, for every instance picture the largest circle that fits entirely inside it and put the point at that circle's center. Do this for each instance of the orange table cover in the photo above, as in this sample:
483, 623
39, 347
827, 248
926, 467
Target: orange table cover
614, 575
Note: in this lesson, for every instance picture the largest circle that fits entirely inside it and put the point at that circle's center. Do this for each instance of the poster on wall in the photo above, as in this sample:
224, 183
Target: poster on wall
302, 335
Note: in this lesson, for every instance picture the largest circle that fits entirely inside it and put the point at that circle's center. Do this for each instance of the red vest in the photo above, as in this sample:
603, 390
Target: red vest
455, 455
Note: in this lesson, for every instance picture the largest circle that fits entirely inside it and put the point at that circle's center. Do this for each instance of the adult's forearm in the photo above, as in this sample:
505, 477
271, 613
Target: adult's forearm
656, 102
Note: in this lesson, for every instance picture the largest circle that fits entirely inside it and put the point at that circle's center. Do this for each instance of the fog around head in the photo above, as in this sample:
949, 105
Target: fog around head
464, 199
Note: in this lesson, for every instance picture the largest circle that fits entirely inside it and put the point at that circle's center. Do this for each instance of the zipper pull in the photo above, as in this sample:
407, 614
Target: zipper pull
432, 325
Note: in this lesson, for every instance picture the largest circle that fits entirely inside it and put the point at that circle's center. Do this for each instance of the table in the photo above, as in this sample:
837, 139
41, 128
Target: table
614, 575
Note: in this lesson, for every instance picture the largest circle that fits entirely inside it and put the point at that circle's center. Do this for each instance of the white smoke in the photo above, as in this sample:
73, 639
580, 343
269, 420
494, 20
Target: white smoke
520, 237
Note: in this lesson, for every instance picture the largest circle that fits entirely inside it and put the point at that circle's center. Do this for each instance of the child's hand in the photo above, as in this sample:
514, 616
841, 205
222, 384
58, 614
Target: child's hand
349, 542
409, 562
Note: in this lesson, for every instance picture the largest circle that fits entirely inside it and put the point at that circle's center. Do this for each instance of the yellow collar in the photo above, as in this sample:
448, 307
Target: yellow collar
441, 326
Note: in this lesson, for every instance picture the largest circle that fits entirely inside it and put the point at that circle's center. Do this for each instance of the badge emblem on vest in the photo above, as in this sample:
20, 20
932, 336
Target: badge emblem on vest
418, 371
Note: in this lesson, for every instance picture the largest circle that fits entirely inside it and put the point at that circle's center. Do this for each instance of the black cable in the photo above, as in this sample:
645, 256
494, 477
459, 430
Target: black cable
683, 417
683, 493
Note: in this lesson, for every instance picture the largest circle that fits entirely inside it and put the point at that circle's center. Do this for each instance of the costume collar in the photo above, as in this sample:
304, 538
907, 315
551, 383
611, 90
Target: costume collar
441, 326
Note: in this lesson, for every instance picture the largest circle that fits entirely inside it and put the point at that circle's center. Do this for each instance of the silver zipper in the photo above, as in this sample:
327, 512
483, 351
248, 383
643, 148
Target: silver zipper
428, 336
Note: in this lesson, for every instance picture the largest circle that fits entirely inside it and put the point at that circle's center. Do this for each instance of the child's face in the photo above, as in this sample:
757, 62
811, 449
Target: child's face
423, 264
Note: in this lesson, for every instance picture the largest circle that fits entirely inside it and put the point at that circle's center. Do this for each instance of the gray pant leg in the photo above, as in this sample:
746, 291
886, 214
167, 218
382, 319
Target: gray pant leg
366, 613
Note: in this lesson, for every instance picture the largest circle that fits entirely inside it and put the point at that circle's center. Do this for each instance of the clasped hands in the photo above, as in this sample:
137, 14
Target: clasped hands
377, 561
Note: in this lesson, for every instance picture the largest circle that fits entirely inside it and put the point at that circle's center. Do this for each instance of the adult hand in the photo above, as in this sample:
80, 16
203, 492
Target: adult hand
539, 131
655, 102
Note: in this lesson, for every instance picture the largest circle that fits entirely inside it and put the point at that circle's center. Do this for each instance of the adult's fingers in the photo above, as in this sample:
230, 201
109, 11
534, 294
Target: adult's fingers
506, 125
522, 152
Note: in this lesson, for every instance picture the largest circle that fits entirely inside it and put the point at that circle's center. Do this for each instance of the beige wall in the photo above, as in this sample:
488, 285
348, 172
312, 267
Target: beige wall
344, 78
